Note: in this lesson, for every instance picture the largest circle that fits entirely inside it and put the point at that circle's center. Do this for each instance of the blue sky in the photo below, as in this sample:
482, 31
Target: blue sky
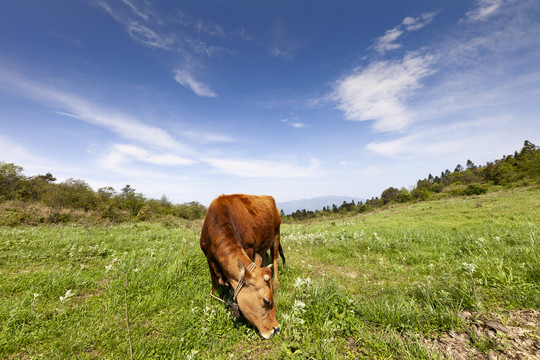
289, 98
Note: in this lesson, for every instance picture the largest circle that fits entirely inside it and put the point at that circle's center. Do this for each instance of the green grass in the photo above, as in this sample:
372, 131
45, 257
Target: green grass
364, 287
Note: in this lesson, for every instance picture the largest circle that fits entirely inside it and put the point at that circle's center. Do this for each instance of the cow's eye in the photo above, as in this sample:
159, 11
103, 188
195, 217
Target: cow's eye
266, 303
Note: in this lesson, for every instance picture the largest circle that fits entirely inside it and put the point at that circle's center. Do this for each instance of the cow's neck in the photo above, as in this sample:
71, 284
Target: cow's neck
232, 267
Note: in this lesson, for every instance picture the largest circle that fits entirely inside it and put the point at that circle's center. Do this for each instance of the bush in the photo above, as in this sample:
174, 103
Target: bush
403, 196
474, 189
146, 213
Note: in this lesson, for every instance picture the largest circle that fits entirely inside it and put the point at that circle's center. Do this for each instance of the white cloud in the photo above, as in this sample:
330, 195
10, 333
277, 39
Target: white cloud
122, 153
141, 24
136, 10
378, 91
387, 42
255, 168
185, 79
149, 37
205, 137
484, 9
413, 24
294, 123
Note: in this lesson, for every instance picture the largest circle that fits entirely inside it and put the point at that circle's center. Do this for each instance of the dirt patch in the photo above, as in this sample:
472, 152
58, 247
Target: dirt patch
491, 339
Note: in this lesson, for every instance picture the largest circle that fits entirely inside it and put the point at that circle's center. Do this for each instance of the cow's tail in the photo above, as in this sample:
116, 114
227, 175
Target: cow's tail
281, 254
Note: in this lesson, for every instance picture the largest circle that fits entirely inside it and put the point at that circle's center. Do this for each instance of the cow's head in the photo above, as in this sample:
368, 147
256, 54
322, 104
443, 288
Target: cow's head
256, 299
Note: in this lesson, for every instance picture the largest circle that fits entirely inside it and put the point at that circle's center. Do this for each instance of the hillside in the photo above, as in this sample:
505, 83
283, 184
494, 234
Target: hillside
456, 277
519, 169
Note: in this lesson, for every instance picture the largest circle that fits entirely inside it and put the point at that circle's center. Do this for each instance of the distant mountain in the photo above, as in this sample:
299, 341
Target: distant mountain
316, 203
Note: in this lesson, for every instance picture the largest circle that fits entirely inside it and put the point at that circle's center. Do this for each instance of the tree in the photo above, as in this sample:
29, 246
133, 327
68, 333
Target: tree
130, 200
10, 179
458, 168
403, 196
72, 193
36, 188
126, 190
389, 194
106, 193
470, 165
164, 201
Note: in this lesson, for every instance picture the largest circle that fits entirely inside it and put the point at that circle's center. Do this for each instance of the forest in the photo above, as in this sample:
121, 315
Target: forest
40, 199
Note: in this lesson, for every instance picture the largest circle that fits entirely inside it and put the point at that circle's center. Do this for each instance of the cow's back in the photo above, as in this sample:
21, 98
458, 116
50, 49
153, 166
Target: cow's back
248, 220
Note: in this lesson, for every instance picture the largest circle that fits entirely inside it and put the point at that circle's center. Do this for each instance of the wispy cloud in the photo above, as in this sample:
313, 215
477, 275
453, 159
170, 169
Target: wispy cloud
474, 70
185, 78
256, 168
190, 38
484, 9
201, 26
431, 141
294, 123
76, 107
36, 162
136, 10
283, 45
281, 53
205, 137
413, 24
379, 91
149, 145
388, 42
486, 138
13, 151
125, 153
147, 36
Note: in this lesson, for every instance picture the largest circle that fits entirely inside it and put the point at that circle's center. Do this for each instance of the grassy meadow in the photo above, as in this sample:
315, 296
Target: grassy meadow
376, 286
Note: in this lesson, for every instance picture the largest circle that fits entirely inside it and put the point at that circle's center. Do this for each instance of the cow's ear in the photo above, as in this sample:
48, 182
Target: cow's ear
242, 270
258, 260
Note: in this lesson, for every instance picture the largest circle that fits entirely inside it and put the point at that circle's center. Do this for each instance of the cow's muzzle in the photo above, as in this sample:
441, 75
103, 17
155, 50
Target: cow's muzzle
268, 335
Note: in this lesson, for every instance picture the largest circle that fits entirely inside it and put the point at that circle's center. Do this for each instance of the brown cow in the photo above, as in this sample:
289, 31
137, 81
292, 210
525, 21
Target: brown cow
236, 230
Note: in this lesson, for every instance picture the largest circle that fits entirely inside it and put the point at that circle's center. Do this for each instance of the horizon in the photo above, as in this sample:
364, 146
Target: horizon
293, 100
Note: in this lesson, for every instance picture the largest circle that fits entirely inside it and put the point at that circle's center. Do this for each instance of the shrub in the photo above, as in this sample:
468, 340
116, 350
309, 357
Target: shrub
146, 213
474, 189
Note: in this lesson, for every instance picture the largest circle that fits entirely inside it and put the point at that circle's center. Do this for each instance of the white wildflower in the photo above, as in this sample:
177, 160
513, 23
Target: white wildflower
469, 267
67, 296
299, 306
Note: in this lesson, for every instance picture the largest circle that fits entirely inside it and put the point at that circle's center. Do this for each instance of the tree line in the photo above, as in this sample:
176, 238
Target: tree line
519, 169
41, 199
